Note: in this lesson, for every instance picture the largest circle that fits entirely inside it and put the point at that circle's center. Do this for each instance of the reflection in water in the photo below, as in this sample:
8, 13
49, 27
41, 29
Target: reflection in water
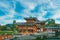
39, 38
56, 37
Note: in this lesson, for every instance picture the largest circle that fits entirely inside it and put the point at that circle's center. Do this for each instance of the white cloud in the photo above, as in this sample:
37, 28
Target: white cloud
9, 13
20, 20
29, 5
10, 16
56, 14
57, 22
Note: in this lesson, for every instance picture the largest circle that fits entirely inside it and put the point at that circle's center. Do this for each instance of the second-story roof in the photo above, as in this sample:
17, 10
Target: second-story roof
25, 24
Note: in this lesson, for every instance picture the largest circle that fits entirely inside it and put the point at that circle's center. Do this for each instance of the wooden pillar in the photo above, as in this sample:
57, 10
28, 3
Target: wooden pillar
34, 29
27, 30
41, 29
22, 30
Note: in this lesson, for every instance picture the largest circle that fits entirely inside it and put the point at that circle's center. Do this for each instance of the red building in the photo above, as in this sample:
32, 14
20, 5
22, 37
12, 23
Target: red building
32, 25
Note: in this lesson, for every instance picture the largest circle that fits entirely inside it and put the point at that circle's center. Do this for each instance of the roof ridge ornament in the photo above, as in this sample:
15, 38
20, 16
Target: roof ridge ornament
31, 17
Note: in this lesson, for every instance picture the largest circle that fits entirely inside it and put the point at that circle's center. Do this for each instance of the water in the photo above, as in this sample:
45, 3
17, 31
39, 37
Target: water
48, 38
37, 38
30, 37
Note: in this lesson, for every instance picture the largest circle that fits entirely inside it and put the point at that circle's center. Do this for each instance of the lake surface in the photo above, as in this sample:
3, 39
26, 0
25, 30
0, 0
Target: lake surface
37, 38
30, 37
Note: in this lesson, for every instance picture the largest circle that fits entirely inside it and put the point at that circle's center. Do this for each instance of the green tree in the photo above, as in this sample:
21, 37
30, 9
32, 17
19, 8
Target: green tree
1, 28
14, 26
50, 22
10, 26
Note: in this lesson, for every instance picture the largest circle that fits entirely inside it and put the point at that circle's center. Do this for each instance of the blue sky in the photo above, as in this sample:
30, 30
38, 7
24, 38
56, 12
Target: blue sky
18, 9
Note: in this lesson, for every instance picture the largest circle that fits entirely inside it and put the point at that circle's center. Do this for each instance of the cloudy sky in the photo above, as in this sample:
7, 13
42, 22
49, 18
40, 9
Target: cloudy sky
18, 9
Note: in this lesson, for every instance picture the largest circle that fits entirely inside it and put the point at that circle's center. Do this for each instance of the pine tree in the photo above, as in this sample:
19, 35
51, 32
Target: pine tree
14, 26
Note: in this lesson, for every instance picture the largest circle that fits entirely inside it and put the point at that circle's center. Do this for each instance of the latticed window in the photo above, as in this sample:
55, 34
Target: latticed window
30, 30
38, 28
24, 30
20, 30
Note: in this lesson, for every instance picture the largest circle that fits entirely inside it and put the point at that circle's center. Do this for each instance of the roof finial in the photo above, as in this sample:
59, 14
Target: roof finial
30, 16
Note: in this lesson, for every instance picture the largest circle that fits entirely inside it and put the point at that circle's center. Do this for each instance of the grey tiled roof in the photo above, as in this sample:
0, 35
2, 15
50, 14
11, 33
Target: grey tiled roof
25, 24
29, 18
53, 27
29, 23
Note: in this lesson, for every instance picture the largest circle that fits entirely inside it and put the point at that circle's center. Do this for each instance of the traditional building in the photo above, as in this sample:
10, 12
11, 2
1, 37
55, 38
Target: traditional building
52, 28
32, 25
